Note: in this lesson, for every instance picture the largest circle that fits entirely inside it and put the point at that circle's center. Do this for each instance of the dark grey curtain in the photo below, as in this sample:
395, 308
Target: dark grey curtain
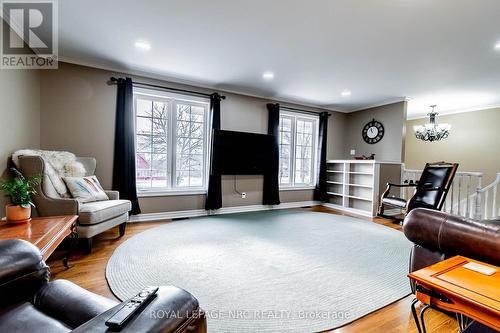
214, 194
271, 195
124, 157
320, 191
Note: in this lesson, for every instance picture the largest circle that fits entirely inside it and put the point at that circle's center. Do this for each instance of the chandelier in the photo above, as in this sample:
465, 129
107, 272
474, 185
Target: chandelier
432, 131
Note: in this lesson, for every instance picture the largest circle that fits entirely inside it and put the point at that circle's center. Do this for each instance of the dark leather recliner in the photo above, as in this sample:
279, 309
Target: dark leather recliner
30, 303
438, 236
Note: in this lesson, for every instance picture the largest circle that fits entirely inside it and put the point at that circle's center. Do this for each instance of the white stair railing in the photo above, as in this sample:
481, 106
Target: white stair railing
486, 201
461, 198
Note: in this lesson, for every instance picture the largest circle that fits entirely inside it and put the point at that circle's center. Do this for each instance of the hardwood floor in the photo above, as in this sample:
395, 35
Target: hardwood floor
88, 271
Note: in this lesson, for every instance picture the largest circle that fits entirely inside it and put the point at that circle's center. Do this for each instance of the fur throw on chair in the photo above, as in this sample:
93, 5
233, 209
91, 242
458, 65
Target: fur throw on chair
58, 164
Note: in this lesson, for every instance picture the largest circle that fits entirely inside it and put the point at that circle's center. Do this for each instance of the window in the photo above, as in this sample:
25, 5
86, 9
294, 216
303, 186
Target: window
171, 141
298, 142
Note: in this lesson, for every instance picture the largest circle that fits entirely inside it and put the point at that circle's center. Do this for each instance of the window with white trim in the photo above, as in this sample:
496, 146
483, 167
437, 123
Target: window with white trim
171, 141
298, 149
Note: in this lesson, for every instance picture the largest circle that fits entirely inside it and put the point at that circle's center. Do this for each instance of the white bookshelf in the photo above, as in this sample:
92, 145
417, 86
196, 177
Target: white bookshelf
355, 185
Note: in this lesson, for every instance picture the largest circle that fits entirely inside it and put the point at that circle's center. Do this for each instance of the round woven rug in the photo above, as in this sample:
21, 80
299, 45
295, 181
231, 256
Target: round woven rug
272, 271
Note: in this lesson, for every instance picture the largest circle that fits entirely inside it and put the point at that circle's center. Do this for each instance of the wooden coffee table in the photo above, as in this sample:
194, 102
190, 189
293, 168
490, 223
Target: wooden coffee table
46, 233
449, 286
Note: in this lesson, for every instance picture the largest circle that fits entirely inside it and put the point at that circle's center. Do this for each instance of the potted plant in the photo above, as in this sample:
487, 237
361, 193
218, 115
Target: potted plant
20, 190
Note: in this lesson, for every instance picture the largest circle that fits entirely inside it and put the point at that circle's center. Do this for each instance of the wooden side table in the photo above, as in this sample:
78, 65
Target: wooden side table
449, 286
46, 233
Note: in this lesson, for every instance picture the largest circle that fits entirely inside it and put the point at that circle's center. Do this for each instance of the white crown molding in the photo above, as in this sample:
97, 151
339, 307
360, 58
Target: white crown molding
474, 109
159, 76
386, 102
152, 217
163, 77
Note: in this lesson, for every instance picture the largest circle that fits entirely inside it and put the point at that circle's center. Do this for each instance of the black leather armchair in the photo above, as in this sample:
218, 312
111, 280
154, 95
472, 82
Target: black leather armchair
30, 303
430, 190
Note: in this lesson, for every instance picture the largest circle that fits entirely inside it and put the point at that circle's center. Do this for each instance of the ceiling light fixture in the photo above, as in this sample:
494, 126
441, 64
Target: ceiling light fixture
346, 93
268, 75
432, 131
497, 46
143, 45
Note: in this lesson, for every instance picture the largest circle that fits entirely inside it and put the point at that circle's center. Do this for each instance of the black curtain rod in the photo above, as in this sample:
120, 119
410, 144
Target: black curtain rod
303, 111
114, 80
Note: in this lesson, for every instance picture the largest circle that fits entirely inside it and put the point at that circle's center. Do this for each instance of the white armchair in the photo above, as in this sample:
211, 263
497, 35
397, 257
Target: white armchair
93, 217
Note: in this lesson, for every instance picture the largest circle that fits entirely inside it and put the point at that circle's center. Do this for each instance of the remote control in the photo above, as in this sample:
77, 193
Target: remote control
120, 318
486, 270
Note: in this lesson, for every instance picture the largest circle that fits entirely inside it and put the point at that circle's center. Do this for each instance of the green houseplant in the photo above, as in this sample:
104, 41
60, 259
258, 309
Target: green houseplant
20, 190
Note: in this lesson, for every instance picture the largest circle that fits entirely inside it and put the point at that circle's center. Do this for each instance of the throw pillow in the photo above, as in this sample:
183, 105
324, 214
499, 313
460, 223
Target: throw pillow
85, 189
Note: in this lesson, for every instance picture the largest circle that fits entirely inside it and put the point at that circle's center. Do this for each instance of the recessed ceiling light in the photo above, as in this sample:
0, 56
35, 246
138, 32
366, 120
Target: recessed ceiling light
497, 46
268, 75
346, 93
143, 45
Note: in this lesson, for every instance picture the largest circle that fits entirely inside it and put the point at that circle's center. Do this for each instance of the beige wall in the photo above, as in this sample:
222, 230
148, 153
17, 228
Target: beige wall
73, 108
19, 115
473, 142
392, 145
337, 131
78, 115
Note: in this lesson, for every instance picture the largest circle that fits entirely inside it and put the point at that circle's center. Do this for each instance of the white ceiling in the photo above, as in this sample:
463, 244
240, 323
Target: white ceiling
431, 52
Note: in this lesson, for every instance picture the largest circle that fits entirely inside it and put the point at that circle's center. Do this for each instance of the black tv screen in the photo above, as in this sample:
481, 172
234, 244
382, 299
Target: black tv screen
241, 153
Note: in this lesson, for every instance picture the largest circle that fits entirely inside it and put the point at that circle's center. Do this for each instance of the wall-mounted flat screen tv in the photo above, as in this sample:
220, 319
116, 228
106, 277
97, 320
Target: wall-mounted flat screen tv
241, 153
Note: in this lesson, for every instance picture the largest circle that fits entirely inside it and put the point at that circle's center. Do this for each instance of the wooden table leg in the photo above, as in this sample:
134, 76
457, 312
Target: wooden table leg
73, 239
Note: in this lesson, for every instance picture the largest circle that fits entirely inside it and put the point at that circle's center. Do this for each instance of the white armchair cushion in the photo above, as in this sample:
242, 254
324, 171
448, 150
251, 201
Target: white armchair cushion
57, 164
100, 211
85, 189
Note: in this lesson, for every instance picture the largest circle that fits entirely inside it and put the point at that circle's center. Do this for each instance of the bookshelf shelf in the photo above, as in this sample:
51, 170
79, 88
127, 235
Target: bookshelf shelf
355, 186
360, 173
360, 185
333, 193
358, 198
332, 182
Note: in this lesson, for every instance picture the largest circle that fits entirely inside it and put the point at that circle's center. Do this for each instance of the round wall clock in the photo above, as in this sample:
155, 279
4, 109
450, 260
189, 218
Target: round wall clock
373, 132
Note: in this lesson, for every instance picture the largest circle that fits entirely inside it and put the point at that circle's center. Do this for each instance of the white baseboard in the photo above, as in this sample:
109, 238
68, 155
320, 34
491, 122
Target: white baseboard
348, 210
151, 217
